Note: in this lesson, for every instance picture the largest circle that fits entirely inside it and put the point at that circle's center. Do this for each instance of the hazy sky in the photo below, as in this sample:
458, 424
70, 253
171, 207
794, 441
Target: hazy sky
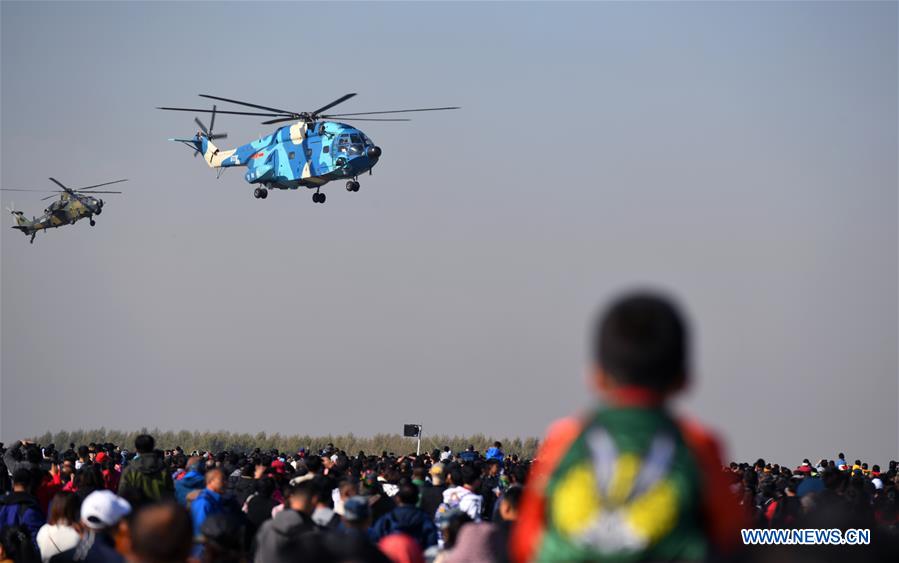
742, 156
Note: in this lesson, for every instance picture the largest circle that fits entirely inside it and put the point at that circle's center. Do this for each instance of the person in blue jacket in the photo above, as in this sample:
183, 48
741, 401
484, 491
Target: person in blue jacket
193, 480
210, 500
406, 518
20, 508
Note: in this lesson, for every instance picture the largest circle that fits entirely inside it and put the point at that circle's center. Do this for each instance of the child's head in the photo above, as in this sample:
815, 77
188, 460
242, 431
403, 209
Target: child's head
641, 341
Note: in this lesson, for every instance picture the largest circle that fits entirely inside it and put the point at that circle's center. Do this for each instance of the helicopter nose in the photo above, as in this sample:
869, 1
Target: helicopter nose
374, 152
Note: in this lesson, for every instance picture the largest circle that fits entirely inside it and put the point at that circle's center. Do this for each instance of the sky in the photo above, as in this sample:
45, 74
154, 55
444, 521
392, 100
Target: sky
739, 156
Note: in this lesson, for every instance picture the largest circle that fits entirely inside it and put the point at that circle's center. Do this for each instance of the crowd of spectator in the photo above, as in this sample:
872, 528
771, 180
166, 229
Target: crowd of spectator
627, 480
101, 502
829, 493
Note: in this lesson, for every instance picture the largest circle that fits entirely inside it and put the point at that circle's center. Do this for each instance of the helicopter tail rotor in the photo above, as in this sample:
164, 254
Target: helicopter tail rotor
208, 132
21, 221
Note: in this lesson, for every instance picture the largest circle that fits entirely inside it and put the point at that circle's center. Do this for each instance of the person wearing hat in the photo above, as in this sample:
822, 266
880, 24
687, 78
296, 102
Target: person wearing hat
111, 475
101, 513
356, 514
351, 542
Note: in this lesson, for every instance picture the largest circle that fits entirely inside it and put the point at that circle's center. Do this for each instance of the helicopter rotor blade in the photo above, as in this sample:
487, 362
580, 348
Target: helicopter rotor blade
103, 184
58, 183
211, 122
202, 127
238, 102
99, 192
280, 119
339, 100
390, 111
26, 190
373, 119
217, 136
198, 110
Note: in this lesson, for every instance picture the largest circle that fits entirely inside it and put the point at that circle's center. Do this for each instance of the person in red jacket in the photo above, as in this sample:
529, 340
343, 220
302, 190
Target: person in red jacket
111, 475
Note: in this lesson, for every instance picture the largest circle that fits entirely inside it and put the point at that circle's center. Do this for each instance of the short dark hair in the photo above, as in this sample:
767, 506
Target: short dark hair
161, 533
641, 339
408, 494
470, 475
512, 496
306, 489
33, 454
144, 444
22, 476
314, 464
18, 545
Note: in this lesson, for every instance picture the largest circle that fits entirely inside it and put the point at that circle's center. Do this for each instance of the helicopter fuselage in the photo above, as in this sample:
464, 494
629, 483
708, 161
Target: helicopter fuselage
67, 210
299, 155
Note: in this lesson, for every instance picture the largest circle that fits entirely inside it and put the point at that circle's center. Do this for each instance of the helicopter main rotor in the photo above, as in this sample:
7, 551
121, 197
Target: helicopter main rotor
68, 190
281, 115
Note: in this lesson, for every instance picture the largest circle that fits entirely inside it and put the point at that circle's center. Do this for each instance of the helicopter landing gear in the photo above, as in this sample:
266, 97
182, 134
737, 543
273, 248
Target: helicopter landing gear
32, 237
352, 186
260, 193
318, 197
92, 222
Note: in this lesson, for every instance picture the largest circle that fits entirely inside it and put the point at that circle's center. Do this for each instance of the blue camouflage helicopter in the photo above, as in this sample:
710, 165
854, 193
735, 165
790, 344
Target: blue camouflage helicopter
309, 153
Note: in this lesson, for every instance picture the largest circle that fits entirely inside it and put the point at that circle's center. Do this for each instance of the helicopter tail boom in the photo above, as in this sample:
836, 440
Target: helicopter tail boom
214, 157
21, 222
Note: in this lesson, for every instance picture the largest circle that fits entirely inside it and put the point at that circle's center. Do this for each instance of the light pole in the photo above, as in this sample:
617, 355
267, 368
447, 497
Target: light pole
413, 431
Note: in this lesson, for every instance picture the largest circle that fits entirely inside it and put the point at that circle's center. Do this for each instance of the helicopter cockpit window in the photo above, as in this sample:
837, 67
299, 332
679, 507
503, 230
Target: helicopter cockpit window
350, 144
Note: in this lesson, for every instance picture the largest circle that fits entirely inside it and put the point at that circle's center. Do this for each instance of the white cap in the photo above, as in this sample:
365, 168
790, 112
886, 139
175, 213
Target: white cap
878, 484
103, 509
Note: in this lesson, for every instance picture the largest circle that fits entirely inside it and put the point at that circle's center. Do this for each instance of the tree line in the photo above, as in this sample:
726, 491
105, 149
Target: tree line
290, 443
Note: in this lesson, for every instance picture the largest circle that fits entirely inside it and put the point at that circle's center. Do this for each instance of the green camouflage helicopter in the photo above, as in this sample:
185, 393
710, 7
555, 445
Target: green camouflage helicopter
72, 205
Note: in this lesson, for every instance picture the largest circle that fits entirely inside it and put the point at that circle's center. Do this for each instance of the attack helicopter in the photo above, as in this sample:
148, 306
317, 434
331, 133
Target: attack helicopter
73, 204
309, 153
